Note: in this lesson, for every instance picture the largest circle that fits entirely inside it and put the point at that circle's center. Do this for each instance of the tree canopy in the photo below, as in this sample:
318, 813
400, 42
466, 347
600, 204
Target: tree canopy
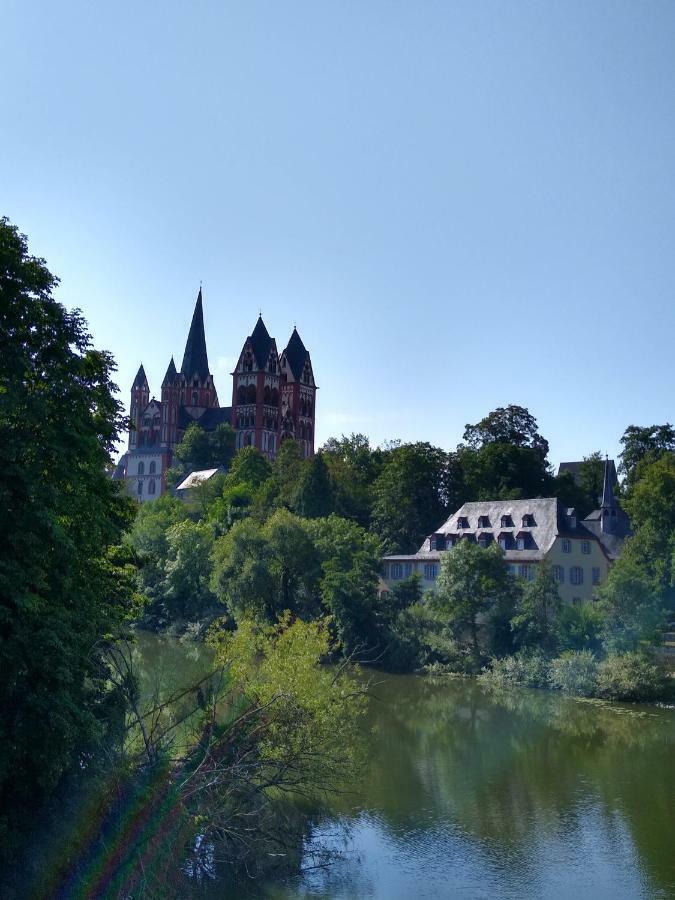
62, 588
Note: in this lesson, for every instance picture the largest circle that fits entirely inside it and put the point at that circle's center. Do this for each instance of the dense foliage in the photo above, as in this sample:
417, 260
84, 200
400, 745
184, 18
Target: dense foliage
63, 588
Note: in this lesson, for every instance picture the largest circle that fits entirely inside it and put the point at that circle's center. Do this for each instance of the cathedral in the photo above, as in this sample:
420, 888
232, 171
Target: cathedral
273, 398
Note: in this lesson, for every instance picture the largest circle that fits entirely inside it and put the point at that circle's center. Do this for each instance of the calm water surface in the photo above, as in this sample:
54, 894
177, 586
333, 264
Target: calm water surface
521, 794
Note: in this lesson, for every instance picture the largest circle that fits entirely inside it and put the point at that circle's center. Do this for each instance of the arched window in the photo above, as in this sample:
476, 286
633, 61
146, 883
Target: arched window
275, 397
250, 393
151, 487
140, 488
195, 398
309, 432
249, 439
141, 468
153, 467
267, 397
241, 394
273, 365
309, 409
302, 431
248, 362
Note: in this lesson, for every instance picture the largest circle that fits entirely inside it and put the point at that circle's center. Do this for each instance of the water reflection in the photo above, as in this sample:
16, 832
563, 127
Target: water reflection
511, 794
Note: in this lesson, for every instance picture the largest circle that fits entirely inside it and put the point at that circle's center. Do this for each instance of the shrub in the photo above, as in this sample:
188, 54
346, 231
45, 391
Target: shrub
528, 669
580, 627
631, 676
575, 672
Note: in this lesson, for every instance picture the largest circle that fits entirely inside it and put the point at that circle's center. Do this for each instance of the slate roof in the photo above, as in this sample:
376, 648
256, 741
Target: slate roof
549, 517
261, 343
171, 373
215, 416
574, 468
209, 419
296, 353
195, 359
140, 378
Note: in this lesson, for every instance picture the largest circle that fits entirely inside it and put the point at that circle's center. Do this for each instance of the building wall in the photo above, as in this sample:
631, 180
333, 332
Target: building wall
146, 478
595, 559
570, 593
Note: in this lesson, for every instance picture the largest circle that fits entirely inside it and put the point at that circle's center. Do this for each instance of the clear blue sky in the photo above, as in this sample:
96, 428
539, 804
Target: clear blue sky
462, 205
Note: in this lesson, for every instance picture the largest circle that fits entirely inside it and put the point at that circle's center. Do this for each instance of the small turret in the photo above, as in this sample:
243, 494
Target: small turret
171, 373
140, 396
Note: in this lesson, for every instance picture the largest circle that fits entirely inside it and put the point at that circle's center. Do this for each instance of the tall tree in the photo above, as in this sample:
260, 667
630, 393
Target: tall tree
201, 449
60, 591
410, 496
537, 610
513, 425
644, 445
474, 585
504, 457
313, 497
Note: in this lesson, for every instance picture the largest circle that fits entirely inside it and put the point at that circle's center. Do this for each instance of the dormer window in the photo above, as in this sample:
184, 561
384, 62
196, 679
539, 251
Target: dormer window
485, 540
528, 521
505, 540
437, 542
506, 522
462, 522
483, 521
523, 540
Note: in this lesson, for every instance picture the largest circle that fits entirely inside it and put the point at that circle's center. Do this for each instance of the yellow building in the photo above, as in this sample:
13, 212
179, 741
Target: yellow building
529, 532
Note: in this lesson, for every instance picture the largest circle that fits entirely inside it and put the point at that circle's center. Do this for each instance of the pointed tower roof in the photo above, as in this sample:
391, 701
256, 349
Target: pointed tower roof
608, 499
140, 380
195, 360
261, 343
296, 353
171, 373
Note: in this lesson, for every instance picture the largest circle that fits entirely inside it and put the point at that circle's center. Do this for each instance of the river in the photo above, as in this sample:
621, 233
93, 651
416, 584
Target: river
521, 794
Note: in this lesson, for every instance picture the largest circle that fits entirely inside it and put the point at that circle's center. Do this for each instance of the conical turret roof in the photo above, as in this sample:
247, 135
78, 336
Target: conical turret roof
296, 353
171, 373
140, 380
261, 343
195, 359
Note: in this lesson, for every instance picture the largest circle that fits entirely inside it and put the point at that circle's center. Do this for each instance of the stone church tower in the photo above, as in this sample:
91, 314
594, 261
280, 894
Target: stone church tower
273, 398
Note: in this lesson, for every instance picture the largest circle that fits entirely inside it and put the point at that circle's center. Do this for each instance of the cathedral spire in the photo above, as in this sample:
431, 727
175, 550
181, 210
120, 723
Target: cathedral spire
140, 380
195, 359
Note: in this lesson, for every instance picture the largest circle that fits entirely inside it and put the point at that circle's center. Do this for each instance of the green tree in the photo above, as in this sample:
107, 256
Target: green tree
644, 445
537, 609
350, 565
632, 606
410, 496
353, 466
250, 467
499, 471
474, 584
201, 449
512, 425
184, 588
262, 570
313, 495
148, 537
61, 586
